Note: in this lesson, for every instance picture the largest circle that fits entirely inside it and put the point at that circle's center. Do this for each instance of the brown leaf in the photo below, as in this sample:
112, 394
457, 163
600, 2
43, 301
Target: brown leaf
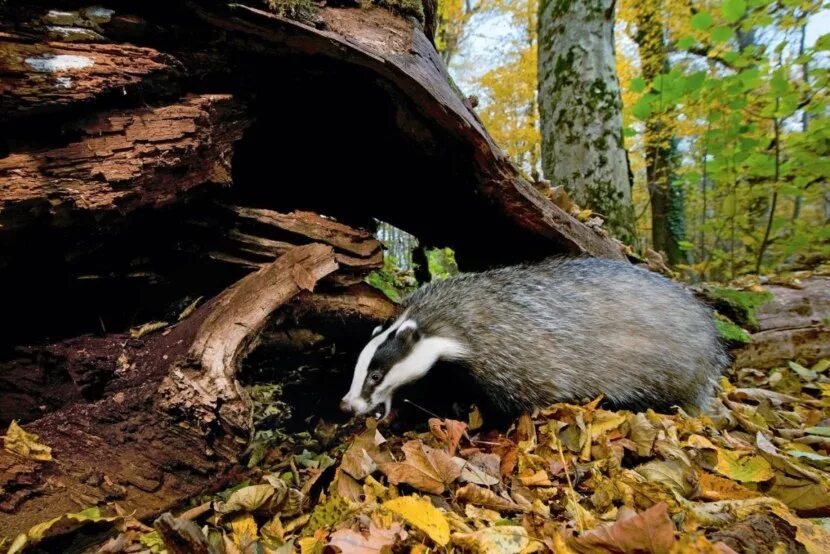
449, 431
427, 469
650, 532
371, 542
485, 498
364, 454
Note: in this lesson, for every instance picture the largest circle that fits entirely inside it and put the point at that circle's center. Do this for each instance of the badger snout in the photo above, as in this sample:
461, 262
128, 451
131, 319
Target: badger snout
356, 406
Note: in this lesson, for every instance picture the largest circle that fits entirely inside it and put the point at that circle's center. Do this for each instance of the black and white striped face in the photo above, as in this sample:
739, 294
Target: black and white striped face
395, 356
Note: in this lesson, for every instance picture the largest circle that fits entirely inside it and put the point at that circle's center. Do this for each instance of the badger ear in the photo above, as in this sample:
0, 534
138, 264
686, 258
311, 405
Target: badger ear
376, 331
408, 331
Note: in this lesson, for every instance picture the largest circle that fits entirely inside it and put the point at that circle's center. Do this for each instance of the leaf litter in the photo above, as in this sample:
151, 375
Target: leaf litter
566, 479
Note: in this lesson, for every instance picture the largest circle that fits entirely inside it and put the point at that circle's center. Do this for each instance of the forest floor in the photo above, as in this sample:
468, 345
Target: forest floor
570, 478
752, 473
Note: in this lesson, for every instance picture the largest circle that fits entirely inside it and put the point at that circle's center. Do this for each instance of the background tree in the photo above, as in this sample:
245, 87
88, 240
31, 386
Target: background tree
580, 107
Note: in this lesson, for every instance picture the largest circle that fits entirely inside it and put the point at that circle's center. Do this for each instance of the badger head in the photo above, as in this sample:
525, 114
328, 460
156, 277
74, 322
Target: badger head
395, 356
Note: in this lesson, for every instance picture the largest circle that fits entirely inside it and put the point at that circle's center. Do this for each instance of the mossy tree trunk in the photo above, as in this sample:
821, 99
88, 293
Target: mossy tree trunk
580, 108
667, 211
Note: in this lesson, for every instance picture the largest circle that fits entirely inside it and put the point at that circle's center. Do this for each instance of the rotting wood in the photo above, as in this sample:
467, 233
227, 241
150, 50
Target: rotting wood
47, 77
316, 228
124, 160
794, 325
171, 422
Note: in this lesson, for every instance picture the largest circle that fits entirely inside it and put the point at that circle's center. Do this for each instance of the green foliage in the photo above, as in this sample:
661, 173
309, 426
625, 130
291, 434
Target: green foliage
441, 263
748, 106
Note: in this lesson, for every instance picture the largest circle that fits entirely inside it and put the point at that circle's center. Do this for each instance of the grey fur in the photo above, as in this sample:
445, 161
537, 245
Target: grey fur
569, 329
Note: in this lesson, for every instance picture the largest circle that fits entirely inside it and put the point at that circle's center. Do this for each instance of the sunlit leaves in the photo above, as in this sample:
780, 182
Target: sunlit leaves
733, 10
701, 21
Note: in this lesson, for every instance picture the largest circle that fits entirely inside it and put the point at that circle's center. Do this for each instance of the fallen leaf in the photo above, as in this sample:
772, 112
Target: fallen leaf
476, 420
449, 431
311, 545
485, 498
535, 479
364, 454
147, 328
246, 499
651, 532
676, 475
503, 539
427, 469
815, 538
481, 469
372, 542
25, 444
421, 514
745, 467
190, 308
714, 487
244, 529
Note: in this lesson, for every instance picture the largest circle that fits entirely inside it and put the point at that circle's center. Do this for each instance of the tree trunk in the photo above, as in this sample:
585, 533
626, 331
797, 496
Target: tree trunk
667, 210
580, 109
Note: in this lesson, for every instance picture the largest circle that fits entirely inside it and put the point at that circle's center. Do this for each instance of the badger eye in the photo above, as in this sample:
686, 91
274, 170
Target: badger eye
374, 377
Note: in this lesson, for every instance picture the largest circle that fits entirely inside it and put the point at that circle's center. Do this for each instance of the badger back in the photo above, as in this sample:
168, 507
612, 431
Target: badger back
571, 329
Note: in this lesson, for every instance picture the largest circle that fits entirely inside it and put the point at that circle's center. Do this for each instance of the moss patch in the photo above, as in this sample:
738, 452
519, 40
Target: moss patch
741, 304
730, 332
406, 7
300, 10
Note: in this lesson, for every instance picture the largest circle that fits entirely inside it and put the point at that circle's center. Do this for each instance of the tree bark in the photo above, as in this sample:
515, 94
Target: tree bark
581, 109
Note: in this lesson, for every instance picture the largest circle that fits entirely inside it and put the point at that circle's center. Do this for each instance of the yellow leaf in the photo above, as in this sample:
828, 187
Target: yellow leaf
605, 421
743, 467
713, 487
273, 530
505, 539
25, 444
37, 532
310, 545
18, 545
147, 328
244, 529
421, 514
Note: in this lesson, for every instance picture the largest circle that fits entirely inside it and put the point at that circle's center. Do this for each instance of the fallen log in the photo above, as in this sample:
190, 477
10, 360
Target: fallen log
174, 420
793, 325
425, 138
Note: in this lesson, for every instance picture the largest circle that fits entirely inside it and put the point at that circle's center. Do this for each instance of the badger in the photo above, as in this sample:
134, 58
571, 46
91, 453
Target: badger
565, 329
